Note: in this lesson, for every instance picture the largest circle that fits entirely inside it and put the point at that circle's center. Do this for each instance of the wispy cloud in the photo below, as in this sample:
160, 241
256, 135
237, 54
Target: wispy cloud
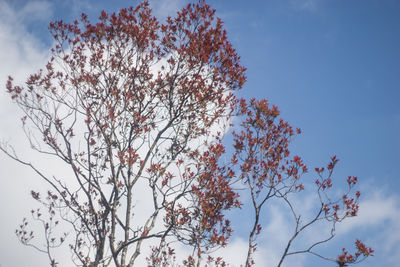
31, 11
379, 216
21, 51
163, 9
306, 5
376, 224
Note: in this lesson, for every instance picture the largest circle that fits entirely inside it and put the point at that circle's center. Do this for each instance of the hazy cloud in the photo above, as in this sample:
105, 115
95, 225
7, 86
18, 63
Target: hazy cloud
305, 5
162, 9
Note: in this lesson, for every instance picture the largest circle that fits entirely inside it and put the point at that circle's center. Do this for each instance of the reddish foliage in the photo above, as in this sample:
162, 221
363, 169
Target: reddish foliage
132, 105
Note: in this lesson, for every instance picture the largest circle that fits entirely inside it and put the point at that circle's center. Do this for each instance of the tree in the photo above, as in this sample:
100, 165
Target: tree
137, 108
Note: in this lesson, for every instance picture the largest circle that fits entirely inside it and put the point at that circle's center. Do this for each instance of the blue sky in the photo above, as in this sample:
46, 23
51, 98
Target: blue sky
332, 67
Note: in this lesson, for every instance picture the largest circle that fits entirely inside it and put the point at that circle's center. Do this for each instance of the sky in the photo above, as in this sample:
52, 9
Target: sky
332, 67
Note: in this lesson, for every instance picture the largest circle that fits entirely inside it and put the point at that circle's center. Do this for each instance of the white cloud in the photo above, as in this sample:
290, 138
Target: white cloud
377, 208
20, 54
